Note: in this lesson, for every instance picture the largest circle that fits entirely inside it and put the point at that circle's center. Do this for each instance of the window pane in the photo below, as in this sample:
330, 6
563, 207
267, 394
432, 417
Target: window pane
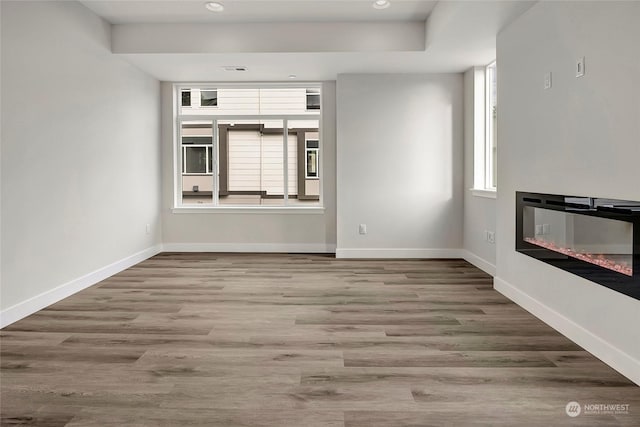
492, 121
196, 162
209, 98
250, 101
251, 162
306, 168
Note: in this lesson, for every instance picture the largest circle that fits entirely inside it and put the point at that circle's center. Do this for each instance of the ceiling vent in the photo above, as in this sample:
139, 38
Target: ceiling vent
234, 68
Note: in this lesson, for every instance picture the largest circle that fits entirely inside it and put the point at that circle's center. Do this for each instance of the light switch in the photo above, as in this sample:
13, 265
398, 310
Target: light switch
580, 67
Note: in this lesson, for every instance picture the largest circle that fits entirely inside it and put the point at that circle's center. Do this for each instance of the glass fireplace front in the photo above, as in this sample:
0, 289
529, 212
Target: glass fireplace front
607, 243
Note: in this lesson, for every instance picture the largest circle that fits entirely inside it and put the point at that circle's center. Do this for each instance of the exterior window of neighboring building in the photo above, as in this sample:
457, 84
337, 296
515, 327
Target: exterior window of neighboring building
208, 98
260, 147
312, 163
313, 99
491, 140
197, 160
186, 98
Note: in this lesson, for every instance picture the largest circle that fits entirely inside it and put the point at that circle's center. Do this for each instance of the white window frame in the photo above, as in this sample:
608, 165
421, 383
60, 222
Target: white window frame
483, 164
178, 207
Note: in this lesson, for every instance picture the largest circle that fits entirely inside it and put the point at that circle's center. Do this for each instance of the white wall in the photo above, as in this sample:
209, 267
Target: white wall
80, 152
479, 211
252, 230
399, 164
271, 37
581, 137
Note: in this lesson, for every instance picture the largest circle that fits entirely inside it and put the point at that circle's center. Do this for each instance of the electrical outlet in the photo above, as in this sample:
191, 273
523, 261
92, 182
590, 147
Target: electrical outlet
491, 237
547, 80
362, 229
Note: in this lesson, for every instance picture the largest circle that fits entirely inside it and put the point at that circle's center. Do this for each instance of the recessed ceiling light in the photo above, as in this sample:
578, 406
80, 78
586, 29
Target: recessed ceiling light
292, 76
214, 6
381, 4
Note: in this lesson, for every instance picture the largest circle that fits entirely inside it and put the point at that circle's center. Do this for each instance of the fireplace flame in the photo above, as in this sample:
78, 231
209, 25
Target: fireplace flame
597, 259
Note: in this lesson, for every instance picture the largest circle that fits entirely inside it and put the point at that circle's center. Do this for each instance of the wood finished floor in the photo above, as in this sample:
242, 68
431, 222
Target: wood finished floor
298, 340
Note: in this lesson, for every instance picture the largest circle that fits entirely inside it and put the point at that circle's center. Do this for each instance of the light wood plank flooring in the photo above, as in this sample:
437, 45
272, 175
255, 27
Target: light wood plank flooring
298, 340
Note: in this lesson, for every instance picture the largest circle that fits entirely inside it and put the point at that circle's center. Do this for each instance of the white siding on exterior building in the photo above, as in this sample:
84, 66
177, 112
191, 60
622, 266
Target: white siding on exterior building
292, 154
238, 101
252, 102
244, 161
204, 182
256, 162
272, 162
283, 101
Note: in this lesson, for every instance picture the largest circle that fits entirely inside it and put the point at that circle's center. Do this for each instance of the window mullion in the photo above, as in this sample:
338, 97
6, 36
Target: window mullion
285, 154
214, 163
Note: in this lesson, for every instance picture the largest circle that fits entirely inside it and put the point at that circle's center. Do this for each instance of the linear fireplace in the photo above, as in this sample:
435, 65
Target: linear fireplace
595, 238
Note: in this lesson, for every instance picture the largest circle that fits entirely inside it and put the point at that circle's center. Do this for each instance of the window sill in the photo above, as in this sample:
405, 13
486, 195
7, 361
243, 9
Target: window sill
316, 210
480, 192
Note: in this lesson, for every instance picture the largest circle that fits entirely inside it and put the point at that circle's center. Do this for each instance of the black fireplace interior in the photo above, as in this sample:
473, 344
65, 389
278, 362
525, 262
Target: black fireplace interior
595, 238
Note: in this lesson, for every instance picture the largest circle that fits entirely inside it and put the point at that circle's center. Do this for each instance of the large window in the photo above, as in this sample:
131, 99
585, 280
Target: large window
259, 146
485, 135
491, 113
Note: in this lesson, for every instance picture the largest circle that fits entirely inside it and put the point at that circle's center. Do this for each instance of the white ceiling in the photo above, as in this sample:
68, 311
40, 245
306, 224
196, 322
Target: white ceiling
171, 11
459, 34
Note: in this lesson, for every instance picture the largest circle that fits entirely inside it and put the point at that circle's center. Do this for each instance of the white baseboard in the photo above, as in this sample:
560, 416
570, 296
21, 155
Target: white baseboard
250, 247
397, 253
609, 354
21, 310
481, 263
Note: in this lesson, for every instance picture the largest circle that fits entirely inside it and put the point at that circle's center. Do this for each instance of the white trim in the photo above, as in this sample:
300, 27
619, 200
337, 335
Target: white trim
251, 247
285, 161
248, 117
603, 350
481, 263
481, 192
266, 210
45, 299
398, 253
